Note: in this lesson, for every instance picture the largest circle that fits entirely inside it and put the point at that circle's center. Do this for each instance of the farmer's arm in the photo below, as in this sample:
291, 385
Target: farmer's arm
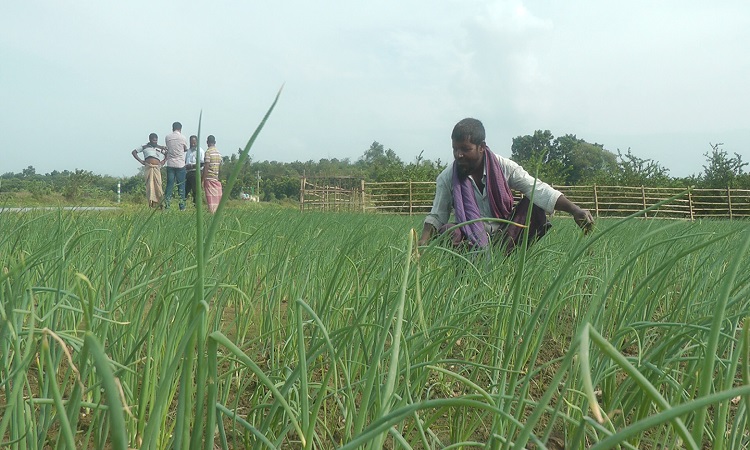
583, 217
543, 195
441, 207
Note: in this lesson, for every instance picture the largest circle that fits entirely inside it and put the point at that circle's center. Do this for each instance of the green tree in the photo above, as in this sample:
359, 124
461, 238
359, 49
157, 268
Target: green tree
584, 162
564, 160
29, 172
540, 156
742, 181
635, 171
721, 171
381, 164
539, 147
422, 169
280, 188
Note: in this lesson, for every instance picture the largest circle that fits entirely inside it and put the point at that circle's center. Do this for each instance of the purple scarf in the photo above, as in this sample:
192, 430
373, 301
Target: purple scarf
465, 204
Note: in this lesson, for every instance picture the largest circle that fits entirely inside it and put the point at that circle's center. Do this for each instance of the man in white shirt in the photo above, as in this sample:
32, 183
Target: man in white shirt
478, 185
152, 163
190, 165
176, 148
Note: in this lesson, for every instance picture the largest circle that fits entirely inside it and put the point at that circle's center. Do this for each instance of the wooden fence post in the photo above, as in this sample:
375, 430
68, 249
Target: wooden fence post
643, 196
302, 195
690, 203
362, 190
596, 201
410, 204
729, 201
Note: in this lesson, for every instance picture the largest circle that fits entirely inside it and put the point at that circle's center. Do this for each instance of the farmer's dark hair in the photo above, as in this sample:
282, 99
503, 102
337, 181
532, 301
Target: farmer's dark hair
152, 135
194, 136
176, 126
211, 139
471, 128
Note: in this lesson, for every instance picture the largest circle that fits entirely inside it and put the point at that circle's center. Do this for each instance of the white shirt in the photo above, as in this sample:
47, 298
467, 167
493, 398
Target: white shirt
149, 152
545, 196
190, 155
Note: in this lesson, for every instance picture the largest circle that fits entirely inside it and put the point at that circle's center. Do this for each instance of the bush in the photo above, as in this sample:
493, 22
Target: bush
39, 189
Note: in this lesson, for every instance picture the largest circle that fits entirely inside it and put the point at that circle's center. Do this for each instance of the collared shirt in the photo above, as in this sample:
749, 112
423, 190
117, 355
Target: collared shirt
149, 152
544, 195
211, 164
190, 155
176, 147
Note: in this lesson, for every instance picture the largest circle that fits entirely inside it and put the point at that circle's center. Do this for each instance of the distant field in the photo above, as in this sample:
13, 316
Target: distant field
330, 330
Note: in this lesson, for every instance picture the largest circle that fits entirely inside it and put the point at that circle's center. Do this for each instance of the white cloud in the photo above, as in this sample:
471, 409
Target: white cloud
511, 17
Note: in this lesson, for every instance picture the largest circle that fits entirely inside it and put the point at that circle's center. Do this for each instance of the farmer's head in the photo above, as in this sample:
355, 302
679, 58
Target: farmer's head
471, 129
468, 146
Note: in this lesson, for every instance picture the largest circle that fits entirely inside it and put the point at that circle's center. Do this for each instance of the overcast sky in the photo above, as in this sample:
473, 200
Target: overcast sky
82, 83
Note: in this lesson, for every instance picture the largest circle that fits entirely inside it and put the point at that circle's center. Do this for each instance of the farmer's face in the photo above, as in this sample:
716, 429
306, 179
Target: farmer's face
193, 142
153, 140
469, 157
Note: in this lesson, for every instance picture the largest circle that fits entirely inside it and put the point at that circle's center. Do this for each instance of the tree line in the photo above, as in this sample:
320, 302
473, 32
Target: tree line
571, 161
566, 161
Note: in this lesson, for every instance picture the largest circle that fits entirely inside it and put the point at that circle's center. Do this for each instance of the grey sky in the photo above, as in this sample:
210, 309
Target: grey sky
82, 83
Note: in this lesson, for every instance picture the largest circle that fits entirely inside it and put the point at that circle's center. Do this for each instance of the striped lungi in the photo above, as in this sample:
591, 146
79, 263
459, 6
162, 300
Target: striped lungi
213, 190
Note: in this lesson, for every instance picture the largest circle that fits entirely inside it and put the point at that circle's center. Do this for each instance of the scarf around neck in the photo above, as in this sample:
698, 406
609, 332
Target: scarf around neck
465, 203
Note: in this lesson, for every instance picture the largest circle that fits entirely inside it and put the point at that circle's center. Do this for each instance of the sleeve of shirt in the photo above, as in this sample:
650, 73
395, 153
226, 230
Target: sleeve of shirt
443, 202
545, 196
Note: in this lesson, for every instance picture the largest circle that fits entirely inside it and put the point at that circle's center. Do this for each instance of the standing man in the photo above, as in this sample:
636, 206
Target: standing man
210, 175
478, 185
190, 165
176, 148
152, 163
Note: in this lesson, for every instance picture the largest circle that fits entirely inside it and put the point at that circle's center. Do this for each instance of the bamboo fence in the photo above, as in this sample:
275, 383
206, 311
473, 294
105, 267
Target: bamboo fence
415, 198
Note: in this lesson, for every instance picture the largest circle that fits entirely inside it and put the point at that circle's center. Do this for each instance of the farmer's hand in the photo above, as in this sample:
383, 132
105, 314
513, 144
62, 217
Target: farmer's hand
584, 219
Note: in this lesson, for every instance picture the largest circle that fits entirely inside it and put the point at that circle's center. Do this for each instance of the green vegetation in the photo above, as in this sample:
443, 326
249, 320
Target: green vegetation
272, 181
276, 329
570, 161
329, 330
565, 160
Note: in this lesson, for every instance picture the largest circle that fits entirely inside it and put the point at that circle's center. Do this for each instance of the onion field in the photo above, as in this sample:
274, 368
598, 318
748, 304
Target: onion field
269, 328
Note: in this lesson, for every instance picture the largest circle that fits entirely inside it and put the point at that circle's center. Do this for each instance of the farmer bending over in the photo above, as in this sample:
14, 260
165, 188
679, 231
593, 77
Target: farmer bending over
478, 184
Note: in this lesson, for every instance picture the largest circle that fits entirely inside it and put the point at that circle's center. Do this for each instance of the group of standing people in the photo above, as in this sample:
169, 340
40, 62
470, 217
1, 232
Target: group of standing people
182, 161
